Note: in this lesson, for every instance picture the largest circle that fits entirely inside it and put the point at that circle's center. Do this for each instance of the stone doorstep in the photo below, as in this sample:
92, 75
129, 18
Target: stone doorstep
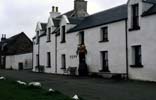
109, 75
105, 75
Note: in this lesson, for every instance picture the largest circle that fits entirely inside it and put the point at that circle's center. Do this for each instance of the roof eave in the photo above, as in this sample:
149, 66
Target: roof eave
70, 31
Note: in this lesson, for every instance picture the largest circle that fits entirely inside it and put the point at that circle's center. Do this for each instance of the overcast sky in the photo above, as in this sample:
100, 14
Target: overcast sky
22, 15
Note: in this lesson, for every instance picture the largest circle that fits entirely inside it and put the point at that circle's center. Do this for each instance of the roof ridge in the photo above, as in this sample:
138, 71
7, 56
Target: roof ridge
16, 35
43, 23
107, 10
104, 17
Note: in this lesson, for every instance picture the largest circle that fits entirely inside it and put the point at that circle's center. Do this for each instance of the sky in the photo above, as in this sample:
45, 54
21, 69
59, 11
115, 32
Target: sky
22, 15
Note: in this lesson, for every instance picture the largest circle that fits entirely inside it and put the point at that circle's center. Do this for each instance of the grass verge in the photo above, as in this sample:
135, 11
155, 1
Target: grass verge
10, 90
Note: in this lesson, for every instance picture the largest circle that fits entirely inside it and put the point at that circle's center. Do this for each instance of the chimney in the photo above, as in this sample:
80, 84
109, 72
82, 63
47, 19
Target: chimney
80, 8
54, 13
3, 37
53, 8
56, 9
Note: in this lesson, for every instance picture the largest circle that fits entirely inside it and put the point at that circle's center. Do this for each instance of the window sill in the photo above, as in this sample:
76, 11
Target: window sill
102, 41
48, 41
136, 66
134, 28
48, 66
63, 42
63, 68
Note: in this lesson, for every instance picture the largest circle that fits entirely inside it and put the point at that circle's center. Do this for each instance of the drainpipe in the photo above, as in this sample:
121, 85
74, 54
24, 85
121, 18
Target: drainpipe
127, 63
33, 54
39, 51
56, 53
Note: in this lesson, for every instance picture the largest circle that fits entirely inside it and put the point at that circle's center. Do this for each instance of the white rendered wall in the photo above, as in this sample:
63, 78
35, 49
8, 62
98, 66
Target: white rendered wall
13, 61
115, 47
146, 38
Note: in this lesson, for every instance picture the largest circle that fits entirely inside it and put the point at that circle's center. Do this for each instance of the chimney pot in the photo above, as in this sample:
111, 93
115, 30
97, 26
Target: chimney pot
56, 9
3, 37
53, 8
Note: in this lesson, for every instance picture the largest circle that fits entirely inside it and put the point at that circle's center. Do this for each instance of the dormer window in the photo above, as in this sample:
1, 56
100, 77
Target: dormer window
63, 34
48, 35
135, 17
37, 37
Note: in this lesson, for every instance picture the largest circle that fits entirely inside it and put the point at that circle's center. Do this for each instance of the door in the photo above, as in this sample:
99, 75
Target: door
104, 55
2, 62
20, 66
83, 68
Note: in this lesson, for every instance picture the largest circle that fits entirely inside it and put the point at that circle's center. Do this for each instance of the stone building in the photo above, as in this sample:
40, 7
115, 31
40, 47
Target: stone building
16, 52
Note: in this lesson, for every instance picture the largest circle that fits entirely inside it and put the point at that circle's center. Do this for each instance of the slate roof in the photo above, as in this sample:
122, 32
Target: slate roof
101, 18
75, 20
10, 40
56, 22
150, 1
152, 10
17, 44
68, 14
43, 34
72, 20
105, 17
44, 26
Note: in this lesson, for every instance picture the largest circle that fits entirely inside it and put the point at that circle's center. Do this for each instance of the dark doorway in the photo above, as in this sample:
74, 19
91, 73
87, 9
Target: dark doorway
83, 69
105, 67
2, 64
20, 66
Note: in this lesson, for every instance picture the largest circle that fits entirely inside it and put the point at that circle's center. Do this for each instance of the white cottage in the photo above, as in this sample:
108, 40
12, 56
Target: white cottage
16, 52
117, 41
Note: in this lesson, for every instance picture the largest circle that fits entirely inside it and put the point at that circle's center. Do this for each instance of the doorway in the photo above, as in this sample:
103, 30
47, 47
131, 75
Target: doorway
20, 66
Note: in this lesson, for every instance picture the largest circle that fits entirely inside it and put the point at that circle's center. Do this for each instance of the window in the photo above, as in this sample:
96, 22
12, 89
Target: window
104, 56
82, 37
37, 37
136, 56
48, 35
63, 61
48, 59
135, 17
104, 34
37, 60
63, 38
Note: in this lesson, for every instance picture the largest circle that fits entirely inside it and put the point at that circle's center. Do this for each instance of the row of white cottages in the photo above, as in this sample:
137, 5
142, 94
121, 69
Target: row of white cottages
117, 40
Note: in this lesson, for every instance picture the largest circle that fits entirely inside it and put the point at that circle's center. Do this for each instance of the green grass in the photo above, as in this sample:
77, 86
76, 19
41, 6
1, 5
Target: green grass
10, 90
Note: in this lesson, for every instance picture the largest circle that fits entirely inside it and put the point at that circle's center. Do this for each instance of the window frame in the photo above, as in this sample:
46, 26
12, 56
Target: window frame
63, 34
137, 56
63, 61
104, 61
37, 60
81, 37
104, 34
48, 34
37, 37
135, 17
48, 60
